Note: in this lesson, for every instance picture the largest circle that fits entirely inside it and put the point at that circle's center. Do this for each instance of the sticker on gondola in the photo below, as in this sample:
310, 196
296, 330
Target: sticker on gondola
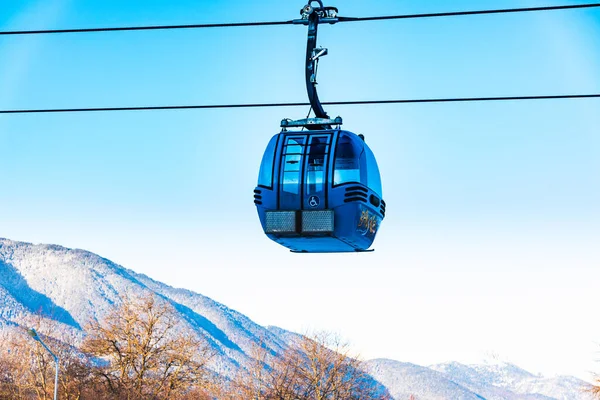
313, 201
367, 223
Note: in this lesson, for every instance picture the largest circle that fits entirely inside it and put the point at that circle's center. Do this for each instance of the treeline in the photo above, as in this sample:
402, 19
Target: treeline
138, 352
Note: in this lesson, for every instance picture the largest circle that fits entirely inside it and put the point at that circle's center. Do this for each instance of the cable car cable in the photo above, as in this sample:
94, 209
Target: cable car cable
331, 103
466, 13
291, 22
146, 28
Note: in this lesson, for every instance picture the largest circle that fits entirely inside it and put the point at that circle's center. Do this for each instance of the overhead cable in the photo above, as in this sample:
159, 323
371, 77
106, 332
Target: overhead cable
466, 13
331, 103
290, 22
145, 28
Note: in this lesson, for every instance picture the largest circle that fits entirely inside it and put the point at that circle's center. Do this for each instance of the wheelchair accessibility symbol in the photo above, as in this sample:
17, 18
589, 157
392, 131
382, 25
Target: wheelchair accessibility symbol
313, 201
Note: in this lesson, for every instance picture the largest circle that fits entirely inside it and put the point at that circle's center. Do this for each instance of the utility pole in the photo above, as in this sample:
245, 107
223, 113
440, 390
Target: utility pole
35, 336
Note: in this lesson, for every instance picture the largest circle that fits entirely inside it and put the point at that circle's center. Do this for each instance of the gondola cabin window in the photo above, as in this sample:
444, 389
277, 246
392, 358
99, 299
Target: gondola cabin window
317, 162
292, 163
347, 162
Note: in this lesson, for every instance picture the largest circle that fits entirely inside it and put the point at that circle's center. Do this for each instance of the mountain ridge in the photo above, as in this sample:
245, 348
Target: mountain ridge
74, 287
83, 286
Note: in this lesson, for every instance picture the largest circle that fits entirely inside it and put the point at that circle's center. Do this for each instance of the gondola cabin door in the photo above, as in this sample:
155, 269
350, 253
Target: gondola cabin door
304, 171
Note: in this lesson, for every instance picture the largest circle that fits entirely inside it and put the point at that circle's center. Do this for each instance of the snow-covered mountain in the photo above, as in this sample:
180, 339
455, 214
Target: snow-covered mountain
406, 379
74, 287
493, 379
490, 381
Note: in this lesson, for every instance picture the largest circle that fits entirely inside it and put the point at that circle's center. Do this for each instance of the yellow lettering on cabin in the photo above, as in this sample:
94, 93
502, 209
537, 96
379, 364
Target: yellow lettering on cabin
373, 224
364, 219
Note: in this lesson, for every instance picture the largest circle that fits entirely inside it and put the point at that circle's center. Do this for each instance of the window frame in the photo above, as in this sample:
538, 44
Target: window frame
335, 157
282, 169
273, 162
327, 157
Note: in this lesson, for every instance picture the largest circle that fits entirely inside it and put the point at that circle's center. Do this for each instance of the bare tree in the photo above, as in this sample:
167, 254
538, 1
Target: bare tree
323, 368
8, 388
252, 381
145, 355
29, 370
315, 368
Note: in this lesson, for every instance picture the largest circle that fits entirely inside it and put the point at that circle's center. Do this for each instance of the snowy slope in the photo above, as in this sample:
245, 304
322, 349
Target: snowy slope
405, 379
74, 287
491, 381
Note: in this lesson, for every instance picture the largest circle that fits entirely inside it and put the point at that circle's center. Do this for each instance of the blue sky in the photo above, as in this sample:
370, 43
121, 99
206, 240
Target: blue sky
490, 243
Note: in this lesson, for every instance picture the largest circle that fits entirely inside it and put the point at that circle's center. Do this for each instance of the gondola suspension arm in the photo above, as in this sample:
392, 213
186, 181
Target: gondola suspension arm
313, 16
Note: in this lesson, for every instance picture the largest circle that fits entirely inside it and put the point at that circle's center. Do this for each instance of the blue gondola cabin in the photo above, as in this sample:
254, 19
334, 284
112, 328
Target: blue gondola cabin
319, 191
